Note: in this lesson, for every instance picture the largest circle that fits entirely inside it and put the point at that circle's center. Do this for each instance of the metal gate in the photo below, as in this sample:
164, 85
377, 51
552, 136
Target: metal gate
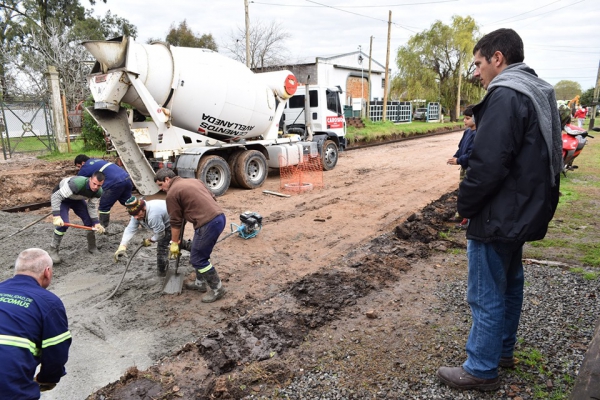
26, 127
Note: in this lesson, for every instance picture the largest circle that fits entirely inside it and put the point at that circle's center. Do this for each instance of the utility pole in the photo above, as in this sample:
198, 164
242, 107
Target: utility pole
362, 79
247, 34
595, 99
387, 67
369, 81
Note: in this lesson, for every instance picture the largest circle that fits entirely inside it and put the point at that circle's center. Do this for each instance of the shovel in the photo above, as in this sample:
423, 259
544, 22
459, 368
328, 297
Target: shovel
174, 279
28, 225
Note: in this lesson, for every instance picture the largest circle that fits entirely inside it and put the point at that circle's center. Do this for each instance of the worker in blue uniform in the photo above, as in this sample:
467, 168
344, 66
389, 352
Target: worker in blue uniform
117, 186
33, 329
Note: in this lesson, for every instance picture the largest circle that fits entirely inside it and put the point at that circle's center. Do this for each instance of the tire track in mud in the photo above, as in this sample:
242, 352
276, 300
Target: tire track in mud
285, 320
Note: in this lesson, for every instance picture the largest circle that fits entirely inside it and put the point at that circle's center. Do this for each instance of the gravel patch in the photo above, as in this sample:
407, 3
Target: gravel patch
557, 324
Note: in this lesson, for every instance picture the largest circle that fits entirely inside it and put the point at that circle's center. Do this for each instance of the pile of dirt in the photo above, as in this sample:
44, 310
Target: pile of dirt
28, 180
231, 357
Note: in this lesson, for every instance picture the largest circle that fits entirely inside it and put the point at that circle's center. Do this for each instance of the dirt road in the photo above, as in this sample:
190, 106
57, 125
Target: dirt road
367, 194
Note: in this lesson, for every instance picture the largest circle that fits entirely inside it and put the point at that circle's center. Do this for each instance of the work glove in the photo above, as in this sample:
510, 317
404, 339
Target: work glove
57, 221
174, 250
147, 242
99, 229
45, 386
120, 252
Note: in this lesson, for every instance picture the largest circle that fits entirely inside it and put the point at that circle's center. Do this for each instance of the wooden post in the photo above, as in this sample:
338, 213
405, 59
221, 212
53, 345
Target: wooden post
369, 80
587, 384
595, 99
387, 68
66, 115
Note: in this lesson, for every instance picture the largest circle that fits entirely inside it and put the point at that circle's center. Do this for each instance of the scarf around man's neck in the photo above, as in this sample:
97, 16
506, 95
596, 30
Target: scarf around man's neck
521, 78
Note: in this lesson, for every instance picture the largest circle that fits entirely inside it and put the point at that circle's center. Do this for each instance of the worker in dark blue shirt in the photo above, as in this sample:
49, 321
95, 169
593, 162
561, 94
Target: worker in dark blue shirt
117, 186
33, 329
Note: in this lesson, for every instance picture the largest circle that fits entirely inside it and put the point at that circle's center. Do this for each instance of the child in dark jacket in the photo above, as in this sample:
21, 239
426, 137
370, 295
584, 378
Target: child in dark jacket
465, 147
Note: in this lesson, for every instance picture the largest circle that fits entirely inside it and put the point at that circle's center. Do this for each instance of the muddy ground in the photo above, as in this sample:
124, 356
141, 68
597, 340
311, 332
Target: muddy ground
356, 262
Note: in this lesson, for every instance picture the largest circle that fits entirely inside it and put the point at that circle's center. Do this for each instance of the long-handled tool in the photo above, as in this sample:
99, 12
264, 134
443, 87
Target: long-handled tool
174, 280
87, 228
122, 276
28, 225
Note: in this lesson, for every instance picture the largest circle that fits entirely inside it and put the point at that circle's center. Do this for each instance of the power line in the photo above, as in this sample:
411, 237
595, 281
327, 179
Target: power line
526, 12
360, 15
538, 15
369, 6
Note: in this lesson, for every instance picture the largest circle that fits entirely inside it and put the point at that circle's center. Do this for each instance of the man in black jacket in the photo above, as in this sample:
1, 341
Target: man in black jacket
510, 194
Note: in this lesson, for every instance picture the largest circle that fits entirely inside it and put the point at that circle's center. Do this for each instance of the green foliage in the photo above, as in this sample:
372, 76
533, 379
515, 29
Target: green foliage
107, 27
432, 62
587, 97
377, 130
567, 90
92, 134
184, 37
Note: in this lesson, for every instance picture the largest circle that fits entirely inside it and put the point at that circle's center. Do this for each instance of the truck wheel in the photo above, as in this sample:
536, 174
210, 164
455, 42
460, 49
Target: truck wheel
215, 173
251, 169
329, 155
232, 161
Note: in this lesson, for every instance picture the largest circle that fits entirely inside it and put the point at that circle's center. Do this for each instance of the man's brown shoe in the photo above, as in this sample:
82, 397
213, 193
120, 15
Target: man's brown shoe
507, 362
458, 378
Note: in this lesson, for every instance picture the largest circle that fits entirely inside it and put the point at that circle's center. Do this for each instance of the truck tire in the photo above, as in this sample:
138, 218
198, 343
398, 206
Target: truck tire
251, 169
329, 156
215, 173
232, 161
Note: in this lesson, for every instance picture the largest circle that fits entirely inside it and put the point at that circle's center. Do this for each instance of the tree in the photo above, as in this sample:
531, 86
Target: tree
566, 90
184, 37
267, 45
587, 97
434, 64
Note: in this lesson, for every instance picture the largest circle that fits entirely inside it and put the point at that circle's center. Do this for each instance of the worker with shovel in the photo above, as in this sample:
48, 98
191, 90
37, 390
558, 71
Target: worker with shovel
189, 200
153, 216
82, 195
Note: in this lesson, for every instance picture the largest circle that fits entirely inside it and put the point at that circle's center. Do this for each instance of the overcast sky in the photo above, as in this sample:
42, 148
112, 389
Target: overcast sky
562, 37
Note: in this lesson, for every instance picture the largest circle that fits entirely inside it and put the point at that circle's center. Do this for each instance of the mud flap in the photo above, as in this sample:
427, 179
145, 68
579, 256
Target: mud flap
174, 279
131, 155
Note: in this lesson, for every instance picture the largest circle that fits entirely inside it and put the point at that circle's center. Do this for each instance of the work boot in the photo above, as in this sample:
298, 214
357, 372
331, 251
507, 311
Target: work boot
91, 241
104, 219
162, 264
56, 239
217, 290
199, 285
186, 245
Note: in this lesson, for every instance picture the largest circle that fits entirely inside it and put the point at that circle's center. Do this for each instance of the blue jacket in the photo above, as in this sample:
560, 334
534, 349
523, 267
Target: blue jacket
114, 173
465, 147
33, 331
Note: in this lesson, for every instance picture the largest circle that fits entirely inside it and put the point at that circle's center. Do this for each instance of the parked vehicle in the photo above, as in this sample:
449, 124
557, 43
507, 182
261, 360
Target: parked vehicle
574, 139
326, 120
420, 114
211, 117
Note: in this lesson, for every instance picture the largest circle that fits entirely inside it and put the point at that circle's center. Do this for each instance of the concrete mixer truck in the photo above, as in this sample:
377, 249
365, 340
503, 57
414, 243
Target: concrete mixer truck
206, 115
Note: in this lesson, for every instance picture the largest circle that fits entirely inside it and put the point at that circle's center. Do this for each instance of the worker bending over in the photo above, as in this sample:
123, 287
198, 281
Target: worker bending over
117, 185
190, 200
82, 196
153, 216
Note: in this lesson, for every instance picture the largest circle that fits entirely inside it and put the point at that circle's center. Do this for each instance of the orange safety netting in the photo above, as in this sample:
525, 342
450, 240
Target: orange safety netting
307, 175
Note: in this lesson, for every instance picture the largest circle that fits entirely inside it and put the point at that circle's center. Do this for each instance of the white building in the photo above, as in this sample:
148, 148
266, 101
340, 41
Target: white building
349, 71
